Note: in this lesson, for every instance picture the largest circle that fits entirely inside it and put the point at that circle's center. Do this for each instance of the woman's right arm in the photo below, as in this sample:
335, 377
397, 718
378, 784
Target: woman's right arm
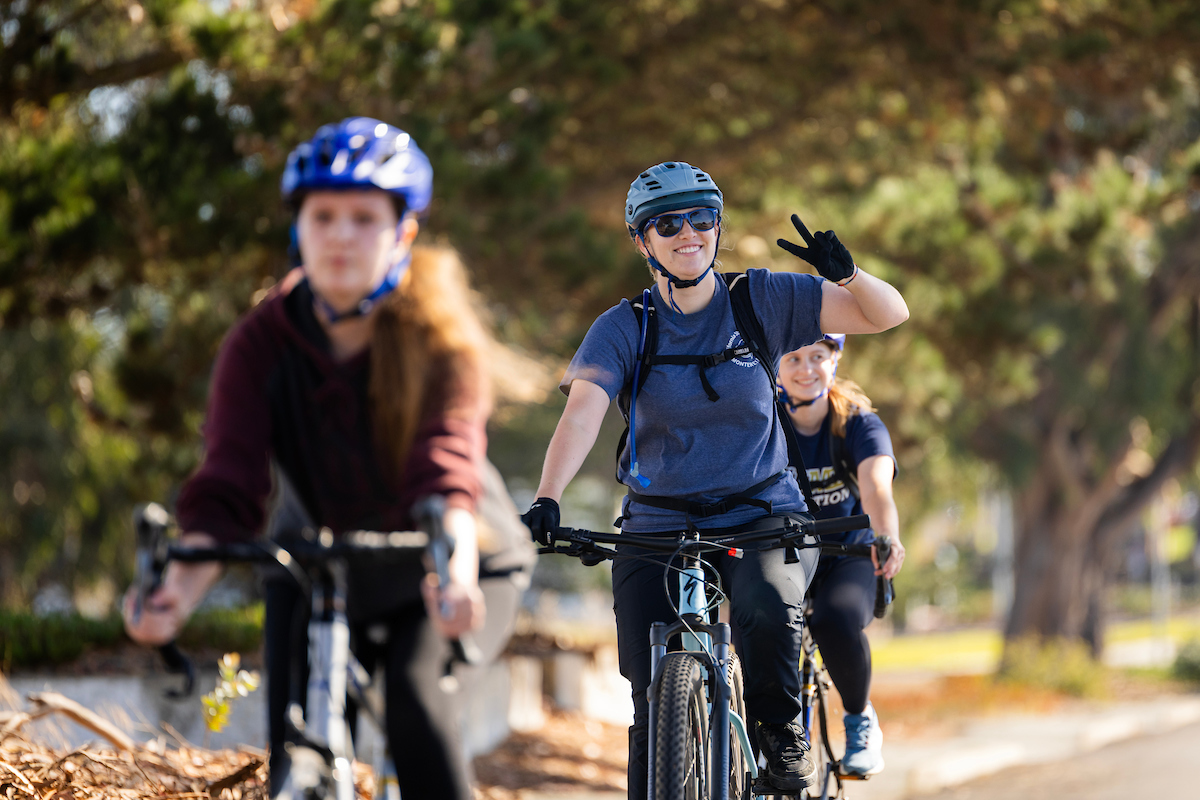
167, 609
573, 438
223, 500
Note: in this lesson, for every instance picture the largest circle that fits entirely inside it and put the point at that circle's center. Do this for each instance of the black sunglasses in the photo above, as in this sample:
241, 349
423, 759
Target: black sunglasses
701, 219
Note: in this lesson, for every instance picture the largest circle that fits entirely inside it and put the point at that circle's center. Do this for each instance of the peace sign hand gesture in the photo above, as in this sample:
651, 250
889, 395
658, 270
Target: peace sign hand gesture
824, 251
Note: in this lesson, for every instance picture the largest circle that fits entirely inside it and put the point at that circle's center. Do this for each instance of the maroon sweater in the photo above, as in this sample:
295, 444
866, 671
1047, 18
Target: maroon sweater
278, 395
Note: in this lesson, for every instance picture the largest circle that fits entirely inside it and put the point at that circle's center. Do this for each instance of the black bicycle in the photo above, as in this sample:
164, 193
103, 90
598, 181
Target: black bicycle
815, 682
320, 752
699, 747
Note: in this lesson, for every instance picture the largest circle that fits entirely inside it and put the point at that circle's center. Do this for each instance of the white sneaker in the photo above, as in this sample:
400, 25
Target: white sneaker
864, 744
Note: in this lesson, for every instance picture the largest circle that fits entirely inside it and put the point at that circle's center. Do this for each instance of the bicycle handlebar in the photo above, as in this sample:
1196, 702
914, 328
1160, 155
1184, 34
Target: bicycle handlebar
152, 522
798, 534
789, 533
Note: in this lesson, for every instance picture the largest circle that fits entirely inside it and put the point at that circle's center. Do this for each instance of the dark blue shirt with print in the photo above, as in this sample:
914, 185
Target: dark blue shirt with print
866, 436
689, 446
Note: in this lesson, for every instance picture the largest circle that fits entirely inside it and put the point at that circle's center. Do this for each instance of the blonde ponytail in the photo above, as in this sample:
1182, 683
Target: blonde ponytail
846, 398
427, 346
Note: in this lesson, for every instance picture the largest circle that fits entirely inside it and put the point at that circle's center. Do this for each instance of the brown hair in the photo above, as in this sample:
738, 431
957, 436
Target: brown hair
846, 398
428, 346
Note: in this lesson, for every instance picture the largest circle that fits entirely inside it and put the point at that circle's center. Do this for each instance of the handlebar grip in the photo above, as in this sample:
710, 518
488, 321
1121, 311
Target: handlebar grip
885, 592
820, 527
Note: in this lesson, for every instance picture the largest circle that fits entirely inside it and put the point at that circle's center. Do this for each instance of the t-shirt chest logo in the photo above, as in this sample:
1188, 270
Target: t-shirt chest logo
748, 360
828, 489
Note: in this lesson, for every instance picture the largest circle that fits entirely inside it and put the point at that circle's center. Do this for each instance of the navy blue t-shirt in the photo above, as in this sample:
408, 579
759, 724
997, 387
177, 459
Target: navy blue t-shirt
866, 436
689, 446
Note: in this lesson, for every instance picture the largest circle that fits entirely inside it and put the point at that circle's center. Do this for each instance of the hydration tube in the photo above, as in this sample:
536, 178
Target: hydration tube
637, 371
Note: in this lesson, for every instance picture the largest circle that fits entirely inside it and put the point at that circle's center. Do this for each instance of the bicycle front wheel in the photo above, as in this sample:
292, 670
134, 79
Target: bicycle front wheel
829, 784
681, 731
739, 771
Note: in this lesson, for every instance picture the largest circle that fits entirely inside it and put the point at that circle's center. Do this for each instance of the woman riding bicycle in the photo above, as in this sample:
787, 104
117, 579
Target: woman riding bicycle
706, 433
360, 381
848, 456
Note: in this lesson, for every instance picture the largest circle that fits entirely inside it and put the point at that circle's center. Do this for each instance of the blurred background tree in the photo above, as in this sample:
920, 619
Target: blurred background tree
1028, 173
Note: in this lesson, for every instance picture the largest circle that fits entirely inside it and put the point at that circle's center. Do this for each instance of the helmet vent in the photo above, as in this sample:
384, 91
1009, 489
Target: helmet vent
670, 165
644, 175
653, 185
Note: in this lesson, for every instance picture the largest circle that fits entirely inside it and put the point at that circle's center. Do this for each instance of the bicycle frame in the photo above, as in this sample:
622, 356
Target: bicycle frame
707, 641
334, 672
710, 643
812, 690
329, 665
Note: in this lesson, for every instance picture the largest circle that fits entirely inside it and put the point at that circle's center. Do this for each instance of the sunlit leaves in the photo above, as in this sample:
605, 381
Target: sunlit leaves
232, 683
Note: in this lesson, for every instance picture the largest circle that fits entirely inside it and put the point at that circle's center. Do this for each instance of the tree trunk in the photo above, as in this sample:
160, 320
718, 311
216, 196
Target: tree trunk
1069, 532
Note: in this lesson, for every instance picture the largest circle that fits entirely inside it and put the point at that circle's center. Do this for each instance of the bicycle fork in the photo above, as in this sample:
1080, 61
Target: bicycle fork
328, 648
709, 643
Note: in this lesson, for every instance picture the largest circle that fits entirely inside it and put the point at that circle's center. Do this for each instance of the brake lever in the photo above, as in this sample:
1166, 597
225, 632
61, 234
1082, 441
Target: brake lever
885, 591
150, 522
429, 513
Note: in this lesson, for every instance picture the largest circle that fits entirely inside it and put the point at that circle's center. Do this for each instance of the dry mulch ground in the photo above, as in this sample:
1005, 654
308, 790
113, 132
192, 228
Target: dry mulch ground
569, 753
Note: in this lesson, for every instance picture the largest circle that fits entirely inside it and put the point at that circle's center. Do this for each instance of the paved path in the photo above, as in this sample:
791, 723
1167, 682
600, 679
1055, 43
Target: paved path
1008, 744
1160, 766
1109, 751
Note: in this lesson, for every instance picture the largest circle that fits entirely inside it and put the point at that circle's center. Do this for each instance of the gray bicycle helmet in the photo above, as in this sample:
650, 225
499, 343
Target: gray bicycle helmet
666, 187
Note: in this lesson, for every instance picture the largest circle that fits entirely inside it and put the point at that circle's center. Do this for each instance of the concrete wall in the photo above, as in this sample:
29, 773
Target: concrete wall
503, 697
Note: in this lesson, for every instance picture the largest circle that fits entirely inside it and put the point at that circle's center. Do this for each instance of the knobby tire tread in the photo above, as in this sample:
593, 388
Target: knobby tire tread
739, 772
681, 731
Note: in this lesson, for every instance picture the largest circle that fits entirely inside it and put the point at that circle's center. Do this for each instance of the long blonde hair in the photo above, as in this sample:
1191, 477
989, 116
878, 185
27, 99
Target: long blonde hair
428, 348
846, 398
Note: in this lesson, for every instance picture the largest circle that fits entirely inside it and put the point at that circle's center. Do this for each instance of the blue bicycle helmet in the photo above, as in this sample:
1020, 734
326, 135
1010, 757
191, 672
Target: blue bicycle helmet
360, 153
666, 187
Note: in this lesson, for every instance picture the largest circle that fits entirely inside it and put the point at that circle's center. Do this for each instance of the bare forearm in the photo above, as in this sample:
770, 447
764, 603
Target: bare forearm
192, 581
464, 564
573, 438
864, 305
885, 520
880, 302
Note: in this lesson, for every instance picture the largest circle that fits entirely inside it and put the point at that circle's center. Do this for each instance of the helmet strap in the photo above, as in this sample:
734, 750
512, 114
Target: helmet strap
672, 281
384, 288
794, 404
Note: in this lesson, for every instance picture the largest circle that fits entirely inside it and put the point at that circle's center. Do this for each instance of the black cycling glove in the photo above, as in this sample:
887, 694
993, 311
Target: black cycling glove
824, 251
542, 518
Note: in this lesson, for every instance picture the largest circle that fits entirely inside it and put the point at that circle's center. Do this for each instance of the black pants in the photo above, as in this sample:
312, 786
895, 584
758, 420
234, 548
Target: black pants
765, 595
422, 719
842, 598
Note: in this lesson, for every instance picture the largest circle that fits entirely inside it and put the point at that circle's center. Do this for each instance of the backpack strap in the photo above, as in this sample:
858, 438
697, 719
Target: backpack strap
749, 325
842, 467
647, 318
694, 508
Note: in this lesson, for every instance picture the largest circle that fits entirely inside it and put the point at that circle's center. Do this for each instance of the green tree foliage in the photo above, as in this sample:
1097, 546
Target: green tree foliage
1025, 171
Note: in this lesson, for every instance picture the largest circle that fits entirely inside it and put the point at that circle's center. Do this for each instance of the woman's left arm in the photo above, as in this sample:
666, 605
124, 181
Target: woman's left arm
875, 488
458, 608
852, 301
864, 305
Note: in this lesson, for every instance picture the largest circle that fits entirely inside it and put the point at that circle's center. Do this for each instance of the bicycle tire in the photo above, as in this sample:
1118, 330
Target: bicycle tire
739, 771
681, 731
829, 785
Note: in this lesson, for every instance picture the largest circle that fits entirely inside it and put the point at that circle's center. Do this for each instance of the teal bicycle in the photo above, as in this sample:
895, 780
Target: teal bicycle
699, 745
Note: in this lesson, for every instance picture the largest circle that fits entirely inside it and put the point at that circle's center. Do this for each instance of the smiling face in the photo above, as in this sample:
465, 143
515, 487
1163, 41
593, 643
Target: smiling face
685, 255
807, 373
348, 240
